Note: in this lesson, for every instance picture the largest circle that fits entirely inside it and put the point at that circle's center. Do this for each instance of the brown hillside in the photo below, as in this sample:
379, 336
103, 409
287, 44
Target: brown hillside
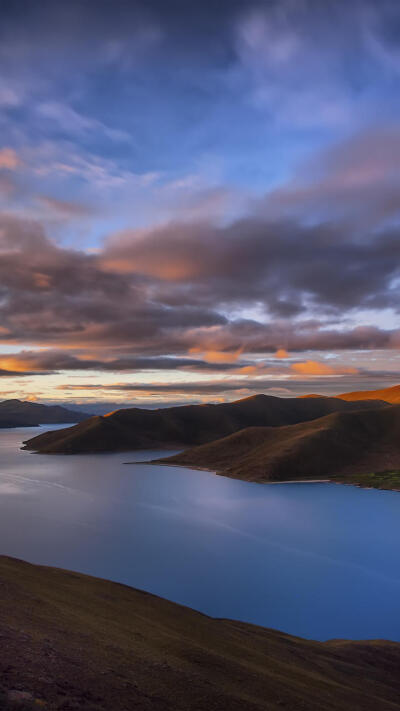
185, 426
69, 641
389, 395
339, 444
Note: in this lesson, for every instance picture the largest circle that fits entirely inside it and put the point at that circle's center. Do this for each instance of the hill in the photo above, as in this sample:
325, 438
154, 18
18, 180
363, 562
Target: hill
71, 641
337, 445
184, 426
389, 395
19, 413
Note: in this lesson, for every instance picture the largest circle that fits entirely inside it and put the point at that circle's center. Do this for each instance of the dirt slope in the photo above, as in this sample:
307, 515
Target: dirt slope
73, 642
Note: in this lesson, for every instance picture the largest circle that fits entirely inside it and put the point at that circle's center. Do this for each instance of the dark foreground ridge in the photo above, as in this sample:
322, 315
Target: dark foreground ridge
185, 426
69, 641
340, 446
19, 413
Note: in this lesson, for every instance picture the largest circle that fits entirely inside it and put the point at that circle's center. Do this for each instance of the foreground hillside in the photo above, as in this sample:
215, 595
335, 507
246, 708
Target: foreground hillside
337, 445
184, 426
19, 413
69, 641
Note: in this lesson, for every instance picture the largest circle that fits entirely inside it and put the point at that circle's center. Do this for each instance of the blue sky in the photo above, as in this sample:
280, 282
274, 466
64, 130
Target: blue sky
215, 183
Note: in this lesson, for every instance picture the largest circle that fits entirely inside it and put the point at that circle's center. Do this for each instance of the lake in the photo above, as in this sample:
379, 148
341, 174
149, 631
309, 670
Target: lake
316, 560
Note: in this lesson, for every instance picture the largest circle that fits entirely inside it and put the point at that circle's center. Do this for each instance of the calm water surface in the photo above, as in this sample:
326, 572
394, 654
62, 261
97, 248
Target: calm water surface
316, 560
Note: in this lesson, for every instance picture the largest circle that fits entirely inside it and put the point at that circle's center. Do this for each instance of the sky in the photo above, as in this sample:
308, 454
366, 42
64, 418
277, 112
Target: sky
198, 201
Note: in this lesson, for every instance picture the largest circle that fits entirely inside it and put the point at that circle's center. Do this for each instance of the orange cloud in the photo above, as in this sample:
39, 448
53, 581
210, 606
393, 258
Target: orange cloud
247, 370
313, 367
281, 353
18, 365
177, 270
216, 356
9, 159
42, 281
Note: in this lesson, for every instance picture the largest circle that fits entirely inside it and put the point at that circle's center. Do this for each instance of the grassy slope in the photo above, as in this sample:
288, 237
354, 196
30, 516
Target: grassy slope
77, 642
338, 445
189, 425
389, 480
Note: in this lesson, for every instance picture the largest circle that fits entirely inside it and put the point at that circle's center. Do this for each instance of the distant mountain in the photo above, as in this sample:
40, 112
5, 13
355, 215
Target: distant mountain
390, 395
184, 426
339, 444
18, 413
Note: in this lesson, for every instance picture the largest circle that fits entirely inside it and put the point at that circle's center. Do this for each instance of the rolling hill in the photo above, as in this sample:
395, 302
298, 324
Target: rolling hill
389, 395
70, 641
20, 413
184, 426
337, 445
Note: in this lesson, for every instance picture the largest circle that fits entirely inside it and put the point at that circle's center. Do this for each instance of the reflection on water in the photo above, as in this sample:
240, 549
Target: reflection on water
317, 560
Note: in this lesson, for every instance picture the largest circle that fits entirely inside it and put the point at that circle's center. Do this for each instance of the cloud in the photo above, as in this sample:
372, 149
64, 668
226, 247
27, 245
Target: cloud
232, 387
285, 52
65, 208
50, 361
66, 161
53, 295
290, 276
355, 181
217, 356
285, 265
73, 122
9, 159
312, 367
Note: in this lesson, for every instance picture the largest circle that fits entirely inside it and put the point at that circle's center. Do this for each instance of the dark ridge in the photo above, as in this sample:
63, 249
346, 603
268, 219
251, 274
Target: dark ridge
19, 413
184, 426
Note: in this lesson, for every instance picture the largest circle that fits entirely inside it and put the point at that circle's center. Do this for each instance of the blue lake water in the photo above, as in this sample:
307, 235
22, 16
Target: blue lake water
316, 560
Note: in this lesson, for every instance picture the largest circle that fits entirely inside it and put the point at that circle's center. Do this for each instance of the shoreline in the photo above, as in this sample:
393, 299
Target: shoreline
250, 481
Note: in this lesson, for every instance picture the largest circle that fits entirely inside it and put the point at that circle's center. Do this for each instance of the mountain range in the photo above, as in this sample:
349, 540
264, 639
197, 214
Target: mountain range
390, 395
20, 413
185, 426
260, 438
